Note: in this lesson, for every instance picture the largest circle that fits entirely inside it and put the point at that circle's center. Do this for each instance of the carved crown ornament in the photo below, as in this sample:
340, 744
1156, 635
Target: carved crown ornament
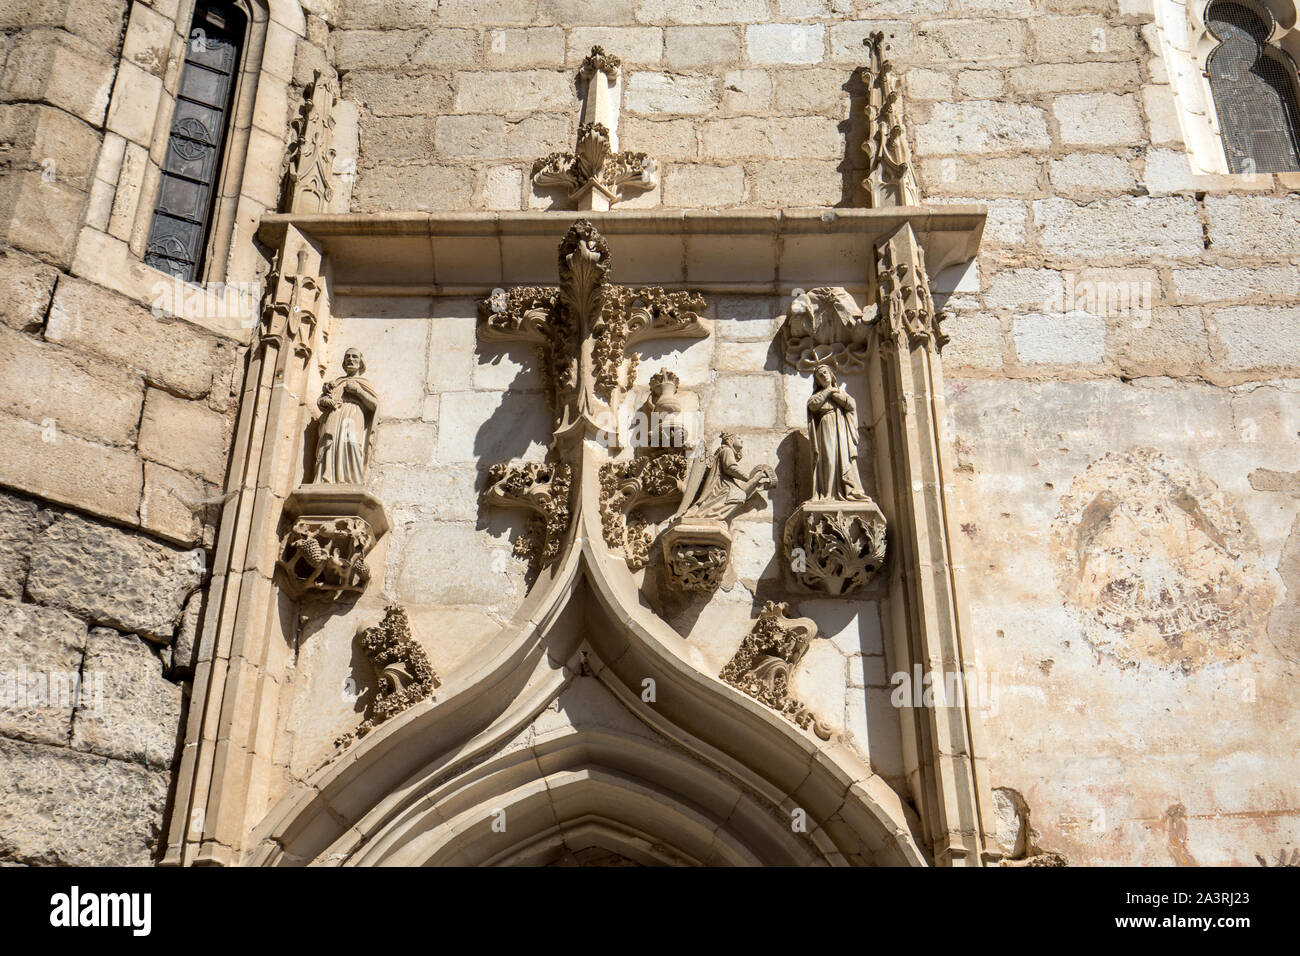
596, 174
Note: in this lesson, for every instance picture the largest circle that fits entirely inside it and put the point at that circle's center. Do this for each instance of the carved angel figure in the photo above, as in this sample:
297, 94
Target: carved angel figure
833, 433
717, 488
825, 325
349, 403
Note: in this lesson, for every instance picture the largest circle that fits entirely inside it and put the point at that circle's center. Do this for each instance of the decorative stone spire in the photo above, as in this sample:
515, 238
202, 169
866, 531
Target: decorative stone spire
890, 181
596, 173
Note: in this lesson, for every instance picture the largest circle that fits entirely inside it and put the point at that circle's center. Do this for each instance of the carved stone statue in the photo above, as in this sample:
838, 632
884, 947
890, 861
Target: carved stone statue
349, 403
335, 522
833, 433
835, 541
718, 490
697, 543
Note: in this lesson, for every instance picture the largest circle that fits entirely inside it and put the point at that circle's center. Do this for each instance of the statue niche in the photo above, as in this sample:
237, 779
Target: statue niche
335, 521
697, 543
834, 541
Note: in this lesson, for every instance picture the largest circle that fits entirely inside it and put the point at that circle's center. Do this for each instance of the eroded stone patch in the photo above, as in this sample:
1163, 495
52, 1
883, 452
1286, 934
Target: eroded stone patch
1158, 564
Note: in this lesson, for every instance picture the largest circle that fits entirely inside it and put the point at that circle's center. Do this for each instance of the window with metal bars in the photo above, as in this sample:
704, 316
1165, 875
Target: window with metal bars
178, 235
1254, 87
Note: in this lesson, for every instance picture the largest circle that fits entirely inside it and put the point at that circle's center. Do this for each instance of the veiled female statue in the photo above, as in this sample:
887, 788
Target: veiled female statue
833, 433
349, 403
718, 490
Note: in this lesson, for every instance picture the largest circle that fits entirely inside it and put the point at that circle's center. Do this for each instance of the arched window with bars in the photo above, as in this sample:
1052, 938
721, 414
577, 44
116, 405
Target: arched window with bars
1253, 84
196, 146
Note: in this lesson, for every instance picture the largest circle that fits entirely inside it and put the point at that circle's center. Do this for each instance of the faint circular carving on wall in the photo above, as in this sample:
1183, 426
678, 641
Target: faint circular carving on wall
1158, 564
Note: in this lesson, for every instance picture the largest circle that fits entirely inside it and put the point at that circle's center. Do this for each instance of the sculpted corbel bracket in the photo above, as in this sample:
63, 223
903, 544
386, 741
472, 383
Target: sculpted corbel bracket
403, 669
542, 488
310, 162
891, 180
762, 664
596, 174
330, 531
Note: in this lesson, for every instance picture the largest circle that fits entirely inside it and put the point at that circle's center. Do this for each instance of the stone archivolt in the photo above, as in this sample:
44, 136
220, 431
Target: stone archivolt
762, 664
402, 667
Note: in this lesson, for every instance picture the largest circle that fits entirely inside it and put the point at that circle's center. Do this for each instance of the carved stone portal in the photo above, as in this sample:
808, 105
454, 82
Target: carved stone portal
332, 528
697, 543
596, 174
404, 672
762, 664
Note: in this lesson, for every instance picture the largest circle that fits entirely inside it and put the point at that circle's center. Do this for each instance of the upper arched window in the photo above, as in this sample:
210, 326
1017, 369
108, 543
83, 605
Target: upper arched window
196, 145
1254, 88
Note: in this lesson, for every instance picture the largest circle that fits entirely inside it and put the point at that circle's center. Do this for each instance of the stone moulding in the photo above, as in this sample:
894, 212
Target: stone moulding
834, 547
331, 529
825, 327
310, 162
627, 486
404, 672
542, 488
891, 180
762, 664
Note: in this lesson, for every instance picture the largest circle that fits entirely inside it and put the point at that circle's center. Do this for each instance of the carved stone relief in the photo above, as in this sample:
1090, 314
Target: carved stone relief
626, 487
310, 162
404, 672
762, 664
826, 327
290, 307
542, 488
697, 542
596, 174
890, 181
585, 330
906, 307
334, 521
835, 541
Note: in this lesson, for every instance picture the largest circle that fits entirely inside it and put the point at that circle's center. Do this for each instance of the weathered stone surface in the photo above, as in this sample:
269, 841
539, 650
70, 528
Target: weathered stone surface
982, 126
415, 187
97, 21
26, 287
1060, 338
19, 521
138, 715
1255, 337
1254, 225
40, 657
796, 184
99, 479
49, 141
653, 93
525, 91
1091, 172
398, 93
64, 391
689, 47
1112, 227
780, 43
58, 806
54, 67
109, 576
184, 435
704, 185
170, 352
1098, 119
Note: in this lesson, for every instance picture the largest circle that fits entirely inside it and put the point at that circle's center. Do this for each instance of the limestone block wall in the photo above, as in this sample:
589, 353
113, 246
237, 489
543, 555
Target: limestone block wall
118, 391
